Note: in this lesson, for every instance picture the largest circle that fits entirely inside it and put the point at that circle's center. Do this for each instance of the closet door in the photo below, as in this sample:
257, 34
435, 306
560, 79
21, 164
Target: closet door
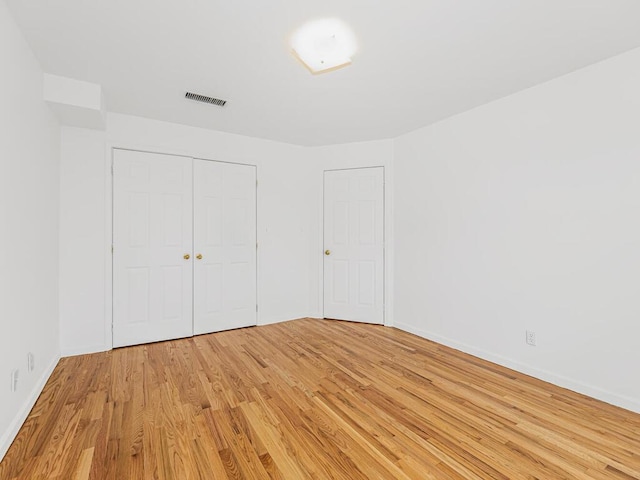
152, 241
224, 246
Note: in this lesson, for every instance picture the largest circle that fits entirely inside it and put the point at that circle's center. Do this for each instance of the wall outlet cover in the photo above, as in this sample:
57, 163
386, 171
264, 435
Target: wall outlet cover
531, 338
14, 380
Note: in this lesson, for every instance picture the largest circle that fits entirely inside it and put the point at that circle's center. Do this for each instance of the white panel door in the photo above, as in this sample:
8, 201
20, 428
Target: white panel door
224, 246
152, 239
354, 245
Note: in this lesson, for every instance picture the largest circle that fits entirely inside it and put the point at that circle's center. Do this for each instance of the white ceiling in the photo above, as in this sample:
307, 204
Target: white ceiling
419, 61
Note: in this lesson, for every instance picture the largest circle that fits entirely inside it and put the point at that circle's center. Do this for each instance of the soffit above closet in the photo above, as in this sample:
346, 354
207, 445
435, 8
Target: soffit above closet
417, 61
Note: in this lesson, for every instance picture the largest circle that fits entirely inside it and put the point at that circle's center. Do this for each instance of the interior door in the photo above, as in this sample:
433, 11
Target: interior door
224, 246
354, 245
152, 242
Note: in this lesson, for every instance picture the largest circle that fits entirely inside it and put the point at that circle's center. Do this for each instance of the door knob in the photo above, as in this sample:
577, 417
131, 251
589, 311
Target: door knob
199, 256
186, 256
327, 252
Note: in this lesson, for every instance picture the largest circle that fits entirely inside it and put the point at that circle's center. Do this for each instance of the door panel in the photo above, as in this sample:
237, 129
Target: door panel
152, 231
225, 237
354, 238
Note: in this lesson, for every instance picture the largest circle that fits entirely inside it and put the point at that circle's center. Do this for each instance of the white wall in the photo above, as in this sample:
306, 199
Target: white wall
82, 236
525, 214
283, 220
351, 155
29, 165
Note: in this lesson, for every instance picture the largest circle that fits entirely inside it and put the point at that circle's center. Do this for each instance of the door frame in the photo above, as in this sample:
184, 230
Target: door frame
108, 230
387, 250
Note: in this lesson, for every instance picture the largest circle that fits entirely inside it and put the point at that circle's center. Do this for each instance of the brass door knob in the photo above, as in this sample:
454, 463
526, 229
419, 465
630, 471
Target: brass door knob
327, 252
199, 256
186, 256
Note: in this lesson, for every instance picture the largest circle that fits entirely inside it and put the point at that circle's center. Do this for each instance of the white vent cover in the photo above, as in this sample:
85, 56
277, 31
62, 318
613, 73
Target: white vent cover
203, 98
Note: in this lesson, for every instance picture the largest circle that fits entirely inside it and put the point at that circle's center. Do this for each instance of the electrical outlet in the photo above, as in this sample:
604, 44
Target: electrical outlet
531, 338
31, 365
14, 380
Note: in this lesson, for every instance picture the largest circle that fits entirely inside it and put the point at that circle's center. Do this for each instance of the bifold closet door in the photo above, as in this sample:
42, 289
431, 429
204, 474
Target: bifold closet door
152, 241
224, 246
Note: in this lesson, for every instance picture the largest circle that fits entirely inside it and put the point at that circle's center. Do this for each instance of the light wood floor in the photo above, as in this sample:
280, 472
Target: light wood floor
313, 399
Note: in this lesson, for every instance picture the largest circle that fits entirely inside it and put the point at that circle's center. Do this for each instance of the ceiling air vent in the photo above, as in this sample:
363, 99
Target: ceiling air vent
205, 99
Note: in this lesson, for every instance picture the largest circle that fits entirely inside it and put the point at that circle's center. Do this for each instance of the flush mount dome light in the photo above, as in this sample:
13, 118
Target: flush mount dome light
324, 45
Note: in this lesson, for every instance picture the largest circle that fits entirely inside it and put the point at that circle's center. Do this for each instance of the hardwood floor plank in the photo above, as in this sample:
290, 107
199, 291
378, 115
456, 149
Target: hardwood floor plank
83, 468
313, 399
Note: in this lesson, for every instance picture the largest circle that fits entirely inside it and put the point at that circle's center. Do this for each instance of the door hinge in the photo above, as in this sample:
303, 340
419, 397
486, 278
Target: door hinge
256, 307
112, 169
112, 249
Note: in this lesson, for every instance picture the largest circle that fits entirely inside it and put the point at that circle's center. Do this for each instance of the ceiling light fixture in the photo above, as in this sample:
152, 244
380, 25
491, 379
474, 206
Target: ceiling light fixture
323, 45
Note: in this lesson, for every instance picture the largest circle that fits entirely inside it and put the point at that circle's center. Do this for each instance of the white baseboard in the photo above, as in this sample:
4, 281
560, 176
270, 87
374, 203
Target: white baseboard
73, 352
388, 321
612, 398
270, 320
9, 436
